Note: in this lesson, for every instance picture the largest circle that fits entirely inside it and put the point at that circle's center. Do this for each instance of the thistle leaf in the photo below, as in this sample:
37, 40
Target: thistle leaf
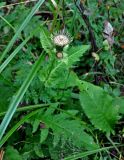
67, 129
98, 106
45, 40
74, 54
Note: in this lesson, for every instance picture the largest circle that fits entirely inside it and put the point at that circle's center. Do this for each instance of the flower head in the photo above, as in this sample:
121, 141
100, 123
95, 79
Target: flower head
61, 38
59, 55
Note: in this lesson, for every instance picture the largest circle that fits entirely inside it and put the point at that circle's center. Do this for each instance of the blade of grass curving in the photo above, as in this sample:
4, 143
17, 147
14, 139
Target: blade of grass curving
17, 125
13, 54
23, 25
18, 97
87, 153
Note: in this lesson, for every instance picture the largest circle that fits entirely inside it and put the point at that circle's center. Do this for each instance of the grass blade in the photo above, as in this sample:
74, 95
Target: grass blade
13, 54
18, 97
23, 25
87, 153
17, 125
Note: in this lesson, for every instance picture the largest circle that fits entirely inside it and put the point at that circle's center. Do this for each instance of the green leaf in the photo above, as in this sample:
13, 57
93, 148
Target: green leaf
18, 97
35, 125
43, 134
12, 154
98, 106
119, 102
74, 54
45, 40
66, 129
38, 151
56, 80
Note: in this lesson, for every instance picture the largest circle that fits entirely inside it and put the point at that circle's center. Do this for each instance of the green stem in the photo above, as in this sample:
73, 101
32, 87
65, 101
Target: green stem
28, 108
110, 140
7, 23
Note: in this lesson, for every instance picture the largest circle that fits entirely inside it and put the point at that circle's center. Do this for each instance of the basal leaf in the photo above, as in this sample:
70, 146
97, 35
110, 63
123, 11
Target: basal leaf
67, 129
98, 106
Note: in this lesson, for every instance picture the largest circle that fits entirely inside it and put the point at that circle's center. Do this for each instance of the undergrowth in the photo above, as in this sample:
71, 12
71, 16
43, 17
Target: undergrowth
61, 80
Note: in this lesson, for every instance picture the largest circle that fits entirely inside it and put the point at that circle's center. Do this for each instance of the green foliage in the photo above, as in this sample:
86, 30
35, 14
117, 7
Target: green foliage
5, 95
44, 134
12, 153
45, 40
17, 98
65, 128
53, 70
99, 107
119, 102
74, 53
69, 96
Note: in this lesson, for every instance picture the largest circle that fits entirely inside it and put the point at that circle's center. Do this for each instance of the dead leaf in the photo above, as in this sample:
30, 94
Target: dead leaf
122, 46
1, 154
108, 33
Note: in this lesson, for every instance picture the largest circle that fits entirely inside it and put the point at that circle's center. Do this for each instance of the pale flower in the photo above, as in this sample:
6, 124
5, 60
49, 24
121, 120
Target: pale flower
61, 38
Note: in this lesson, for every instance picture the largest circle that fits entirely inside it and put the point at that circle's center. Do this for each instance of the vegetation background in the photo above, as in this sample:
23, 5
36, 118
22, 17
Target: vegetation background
58, 100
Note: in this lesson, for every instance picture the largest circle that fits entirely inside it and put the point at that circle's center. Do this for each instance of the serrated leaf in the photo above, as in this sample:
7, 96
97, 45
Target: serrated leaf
45, 40
66, 129
98, 106
75, 53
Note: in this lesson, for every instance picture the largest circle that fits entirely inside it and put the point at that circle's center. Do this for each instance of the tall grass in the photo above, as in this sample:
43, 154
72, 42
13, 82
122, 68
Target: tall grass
18, 97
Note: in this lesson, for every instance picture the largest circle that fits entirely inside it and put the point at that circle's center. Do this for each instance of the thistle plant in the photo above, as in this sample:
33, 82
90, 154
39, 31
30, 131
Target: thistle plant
61, 113
63, 57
